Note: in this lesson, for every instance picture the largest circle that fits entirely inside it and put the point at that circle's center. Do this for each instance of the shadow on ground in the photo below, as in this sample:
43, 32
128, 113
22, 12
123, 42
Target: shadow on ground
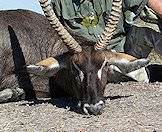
72, 104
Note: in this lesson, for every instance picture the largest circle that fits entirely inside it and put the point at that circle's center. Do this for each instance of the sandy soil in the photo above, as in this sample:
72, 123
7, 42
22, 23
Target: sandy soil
130, 107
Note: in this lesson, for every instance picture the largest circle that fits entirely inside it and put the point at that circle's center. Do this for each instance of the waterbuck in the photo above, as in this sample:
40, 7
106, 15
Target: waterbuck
35, 60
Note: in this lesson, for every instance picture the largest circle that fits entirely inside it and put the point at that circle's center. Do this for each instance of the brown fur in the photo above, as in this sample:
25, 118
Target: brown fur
47, 62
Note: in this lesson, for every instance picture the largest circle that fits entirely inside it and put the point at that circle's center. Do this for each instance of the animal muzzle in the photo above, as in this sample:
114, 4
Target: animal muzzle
94, 109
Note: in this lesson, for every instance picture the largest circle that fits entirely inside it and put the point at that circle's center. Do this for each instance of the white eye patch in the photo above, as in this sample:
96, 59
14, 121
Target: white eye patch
115, 68
99, 73
81, 74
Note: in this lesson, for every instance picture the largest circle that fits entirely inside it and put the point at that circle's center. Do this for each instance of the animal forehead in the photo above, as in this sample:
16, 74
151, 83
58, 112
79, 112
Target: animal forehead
89, 61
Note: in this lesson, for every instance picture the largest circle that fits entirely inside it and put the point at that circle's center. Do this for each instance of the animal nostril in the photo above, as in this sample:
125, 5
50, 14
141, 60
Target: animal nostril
97, 108
94, 109
86, 108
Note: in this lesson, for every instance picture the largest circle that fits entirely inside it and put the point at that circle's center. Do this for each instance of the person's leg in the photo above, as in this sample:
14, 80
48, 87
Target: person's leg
141, 40
160, 24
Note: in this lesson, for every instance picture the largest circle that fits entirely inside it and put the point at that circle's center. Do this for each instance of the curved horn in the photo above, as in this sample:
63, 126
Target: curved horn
110, 25
55, 23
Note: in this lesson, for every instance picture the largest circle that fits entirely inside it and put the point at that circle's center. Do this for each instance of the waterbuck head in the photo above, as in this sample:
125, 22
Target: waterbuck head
89, 65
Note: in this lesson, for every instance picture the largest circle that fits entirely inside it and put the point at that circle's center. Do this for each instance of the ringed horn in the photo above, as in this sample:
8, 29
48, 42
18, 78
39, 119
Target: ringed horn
111, 25
104, 38
55, 23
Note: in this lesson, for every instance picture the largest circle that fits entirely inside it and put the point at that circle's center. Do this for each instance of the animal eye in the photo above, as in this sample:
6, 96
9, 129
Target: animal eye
106, 65
80, 74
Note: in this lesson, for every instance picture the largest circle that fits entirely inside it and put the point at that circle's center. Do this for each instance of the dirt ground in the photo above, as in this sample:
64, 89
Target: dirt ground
130, 107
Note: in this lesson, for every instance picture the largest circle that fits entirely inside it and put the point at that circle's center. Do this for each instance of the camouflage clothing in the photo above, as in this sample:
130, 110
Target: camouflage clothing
87, 18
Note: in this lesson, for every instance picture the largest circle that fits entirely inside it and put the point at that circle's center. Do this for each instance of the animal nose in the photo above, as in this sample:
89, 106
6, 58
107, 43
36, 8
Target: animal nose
94, 109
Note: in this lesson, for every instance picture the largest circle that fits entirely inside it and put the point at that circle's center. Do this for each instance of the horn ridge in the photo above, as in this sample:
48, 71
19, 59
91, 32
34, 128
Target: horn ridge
55, 23
111, 25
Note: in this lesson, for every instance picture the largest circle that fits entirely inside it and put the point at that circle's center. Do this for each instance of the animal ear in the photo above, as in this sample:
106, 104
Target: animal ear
47, 67
116, 75
127, 63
